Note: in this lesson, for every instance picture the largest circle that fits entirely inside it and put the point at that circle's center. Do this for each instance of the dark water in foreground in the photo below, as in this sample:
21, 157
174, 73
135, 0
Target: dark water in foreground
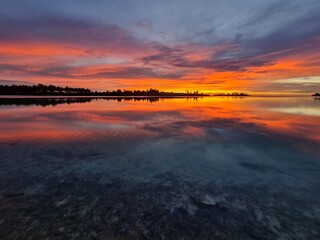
206, 168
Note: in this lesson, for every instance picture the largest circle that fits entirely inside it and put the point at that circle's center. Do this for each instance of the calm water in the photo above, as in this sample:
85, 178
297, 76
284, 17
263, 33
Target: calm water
206, 168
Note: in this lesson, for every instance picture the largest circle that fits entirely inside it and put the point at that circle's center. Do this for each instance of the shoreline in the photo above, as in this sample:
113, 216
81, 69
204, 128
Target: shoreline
142, 96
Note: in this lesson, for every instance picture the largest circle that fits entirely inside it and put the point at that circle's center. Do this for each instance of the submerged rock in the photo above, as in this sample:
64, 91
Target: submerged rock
62, 202
208, 201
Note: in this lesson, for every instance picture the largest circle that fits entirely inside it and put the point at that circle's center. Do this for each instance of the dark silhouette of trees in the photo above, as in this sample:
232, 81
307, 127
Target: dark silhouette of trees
41, 89
51, 90
316, 95
234, 94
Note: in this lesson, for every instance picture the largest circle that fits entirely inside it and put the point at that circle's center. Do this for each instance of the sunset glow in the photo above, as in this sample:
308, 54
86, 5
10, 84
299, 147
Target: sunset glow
167, 45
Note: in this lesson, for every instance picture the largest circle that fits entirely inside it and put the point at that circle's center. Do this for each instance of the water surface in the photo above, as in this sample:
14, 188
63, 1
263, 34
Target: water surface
168, 168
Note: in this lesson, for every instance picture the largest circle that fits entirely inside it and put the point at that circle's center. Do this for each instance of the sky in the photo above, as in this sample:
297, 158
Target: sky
265, 46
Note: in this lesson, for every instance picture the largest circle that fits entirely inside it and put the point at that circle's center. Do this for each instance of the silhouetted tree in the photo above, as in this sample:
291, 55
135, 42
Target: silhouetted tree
52, 90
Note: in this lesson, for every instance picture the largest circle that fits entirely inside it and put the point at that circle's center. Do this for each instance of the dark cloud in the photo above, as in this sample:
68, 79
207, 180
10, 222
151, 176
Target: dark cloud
69, 32
66, 71
39, 70
135, 72
17, 82
177, 57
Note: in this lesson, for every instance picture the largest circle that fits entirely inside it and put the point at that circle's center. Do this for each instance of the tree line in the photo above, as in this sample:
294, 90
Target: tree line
236, 94
51, 90
41, 89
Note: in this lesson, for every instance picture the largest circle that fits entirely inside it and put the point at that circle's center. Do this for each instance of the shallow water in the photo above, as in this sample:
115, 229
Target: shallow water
149, 168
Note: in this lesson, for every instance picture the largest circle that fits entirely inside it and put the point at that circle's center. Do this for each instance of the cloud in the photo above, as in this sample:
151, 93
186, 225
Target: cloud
111, 72
16, 82
93, 38
180, 57
300, 80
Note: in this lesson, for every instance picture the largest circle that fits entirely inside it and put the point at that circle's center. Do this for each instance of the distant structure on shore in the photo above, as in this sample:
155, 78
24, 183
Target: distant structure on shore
51, 90
234, 94
316, 95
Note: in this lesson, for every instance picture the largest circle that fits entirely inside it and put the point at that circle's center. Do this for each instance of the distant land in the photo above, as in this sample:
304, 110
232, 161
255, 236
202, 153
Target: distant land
51, 90
316, 95
234, 94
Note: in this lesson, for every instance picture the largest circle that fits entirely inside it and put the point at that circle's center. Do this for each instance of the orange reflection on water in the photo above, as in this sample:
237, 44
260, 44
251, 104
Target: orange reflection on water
183, 117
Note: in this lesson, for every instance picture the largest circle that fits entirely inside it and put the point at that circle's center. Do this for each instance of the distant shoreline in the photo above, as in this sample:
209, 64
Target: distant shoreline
32, 100
6, 96
51, 91
177, 95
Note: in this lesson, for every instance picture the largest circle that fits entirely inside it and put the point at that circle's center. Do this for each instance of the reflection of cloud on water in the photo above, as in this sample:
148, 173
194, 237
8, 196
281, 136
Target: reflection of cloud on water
310, 111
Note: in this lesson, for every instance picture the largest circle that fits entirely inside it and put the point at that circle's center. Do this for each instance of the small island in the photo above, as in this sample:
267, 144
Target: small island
51, 90
316, 95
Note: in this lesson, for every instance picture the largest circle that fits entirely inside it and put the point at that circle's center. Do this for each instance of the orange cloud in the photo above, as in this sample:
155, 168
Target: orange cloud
180, 68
